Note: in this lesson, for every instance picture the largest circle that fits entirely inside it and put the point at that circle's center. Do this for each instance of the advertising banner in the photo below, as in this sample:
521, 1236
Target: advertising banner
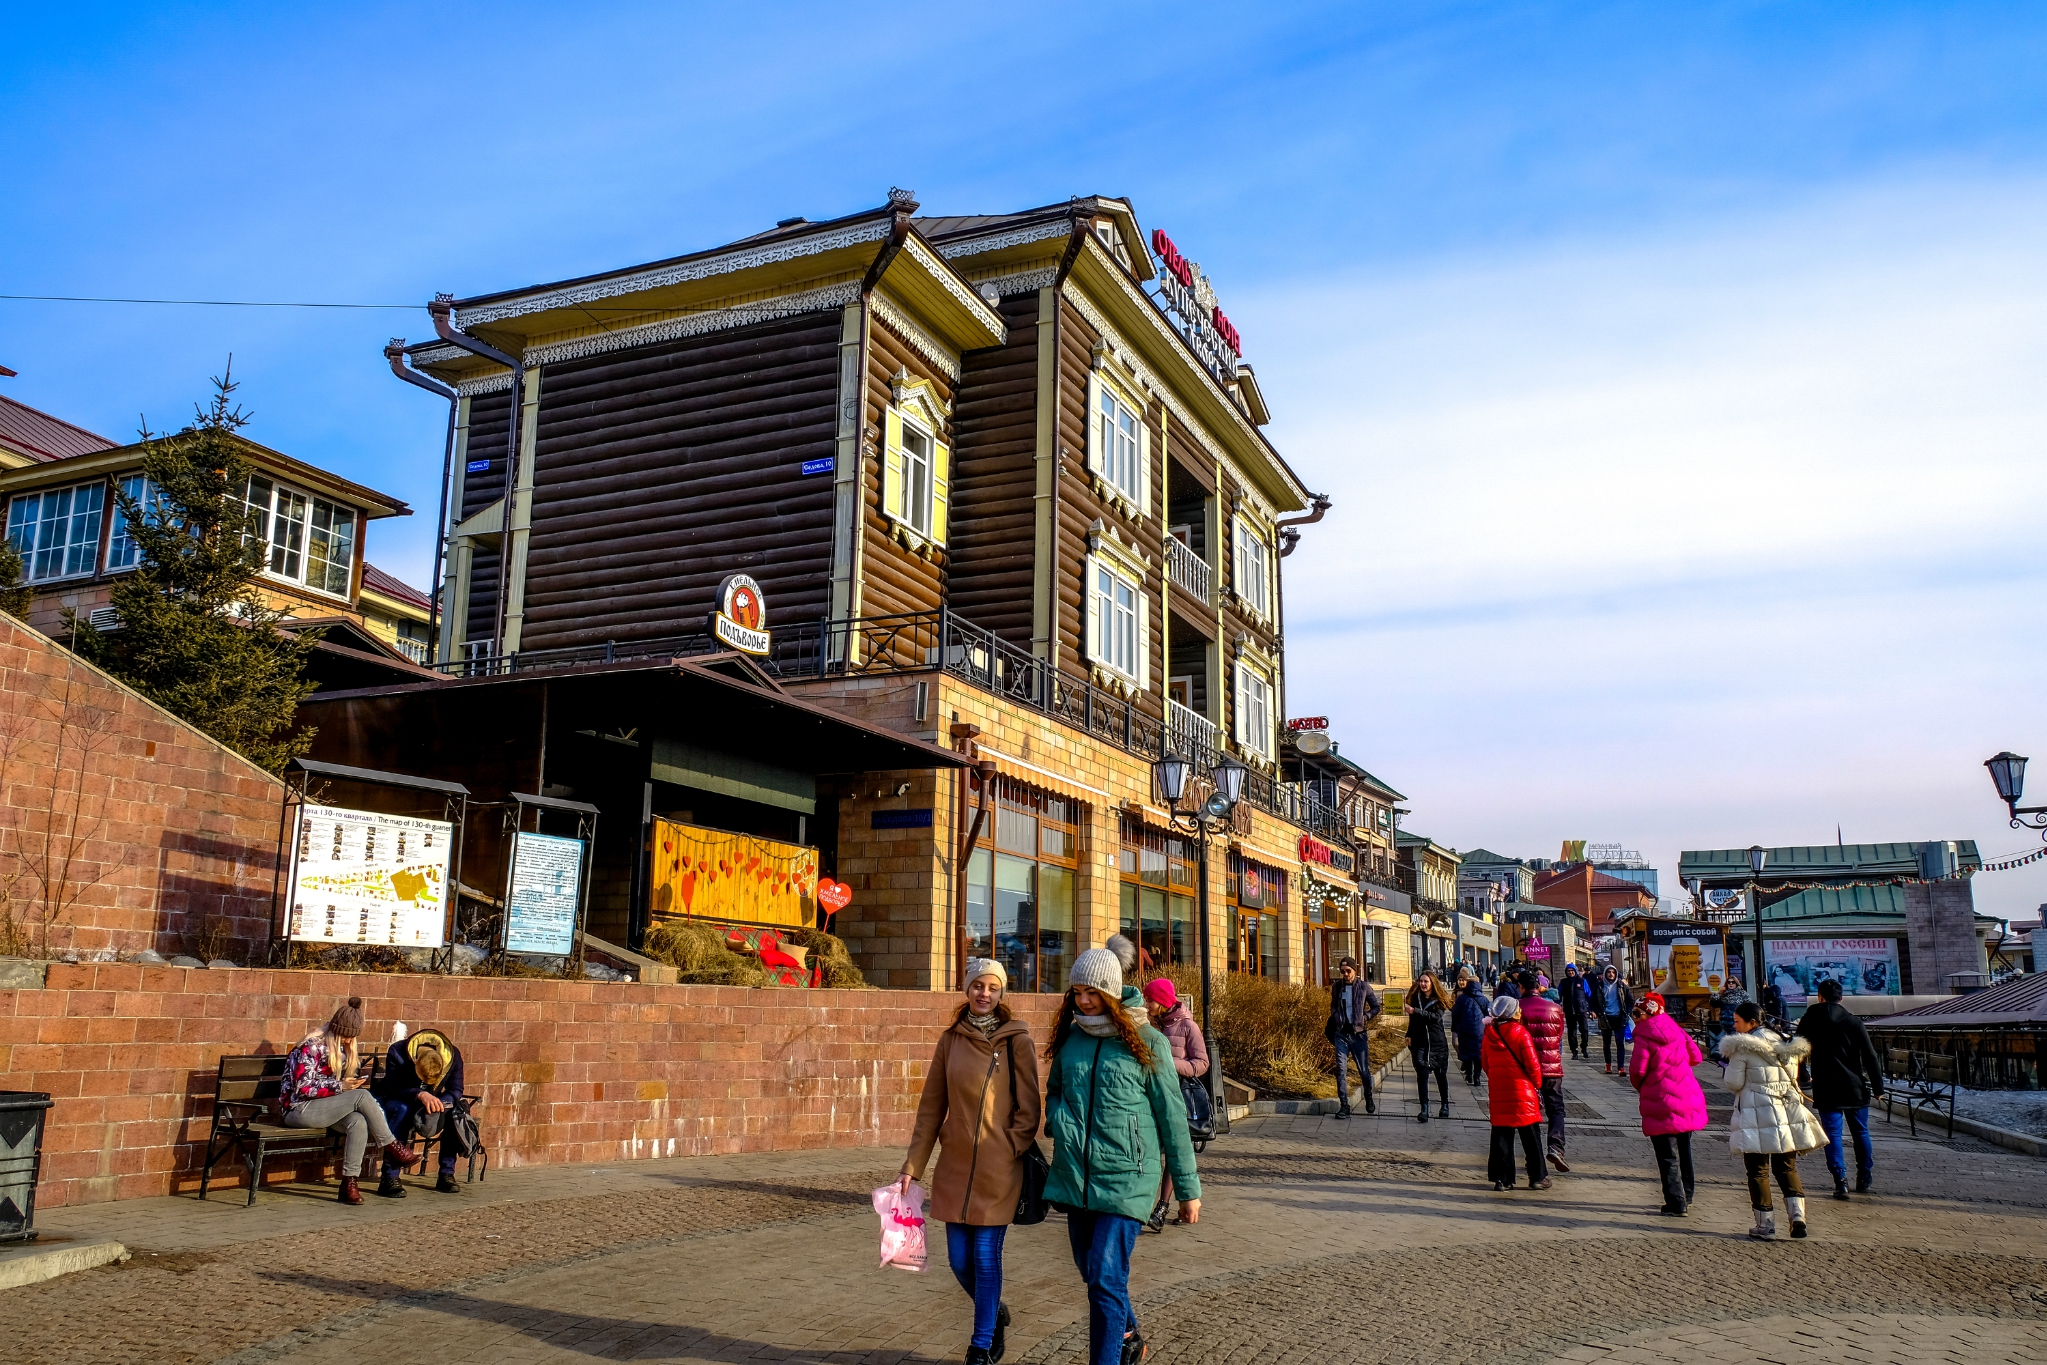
1687, 957
547, 889
732, 878
1863, 966
361, 877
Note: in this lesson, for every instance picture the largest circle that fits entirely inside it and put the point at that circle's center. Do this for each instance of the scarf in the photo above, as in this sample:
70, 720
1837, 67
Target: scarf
985, 1024
1096, 1025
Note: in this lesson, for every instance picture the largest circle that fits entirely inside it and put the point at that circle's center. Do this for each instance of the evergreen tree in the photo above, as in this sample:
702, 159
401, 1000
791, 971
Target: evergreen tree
14, 594
195, 637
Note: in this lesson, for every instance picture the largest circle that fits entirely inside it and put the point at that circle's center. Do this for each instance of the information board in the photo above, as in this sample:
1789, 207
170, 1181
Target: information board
547, 888
358, 876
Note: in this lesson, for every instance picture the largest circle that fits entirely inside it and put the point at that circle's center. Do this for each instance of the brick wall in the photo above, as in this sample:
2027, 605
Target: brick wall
569, 1071
121, 827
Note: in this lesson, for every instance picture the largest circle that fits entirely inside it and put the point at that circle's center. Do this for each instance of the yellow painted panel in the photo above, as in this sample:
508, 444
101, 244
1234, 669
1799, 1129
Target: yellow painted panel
732, 878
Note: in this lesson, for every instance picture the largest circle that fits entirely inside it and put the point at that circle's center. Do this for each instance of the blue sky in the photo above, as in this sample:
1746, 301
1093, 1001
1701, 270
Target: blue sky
1675, 368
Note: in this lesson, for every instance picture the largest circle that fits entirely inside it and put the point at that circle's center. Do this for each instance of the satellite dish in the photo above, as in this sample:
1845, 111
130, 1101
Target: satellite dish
1312, 741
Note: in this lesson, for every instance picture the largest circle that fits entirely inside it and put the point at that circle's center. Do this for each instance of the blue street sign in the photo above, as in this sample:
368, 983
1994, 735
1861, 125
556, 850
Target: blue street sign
823, 466
478, 466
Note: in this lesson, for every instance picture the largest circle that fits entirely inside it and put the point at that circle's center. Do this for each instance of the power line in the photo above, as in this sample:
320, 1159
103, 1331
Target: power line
205, 303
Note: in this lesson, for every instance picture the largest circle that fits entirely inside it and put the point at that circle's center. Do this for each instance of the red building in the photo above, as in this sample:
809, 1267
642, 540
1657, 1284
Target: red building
1592, 893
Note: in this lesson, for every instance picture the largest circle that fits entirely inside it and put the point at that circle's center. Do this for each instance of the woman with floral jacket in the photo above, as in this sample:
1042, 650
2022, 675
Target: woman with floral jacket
320, 1090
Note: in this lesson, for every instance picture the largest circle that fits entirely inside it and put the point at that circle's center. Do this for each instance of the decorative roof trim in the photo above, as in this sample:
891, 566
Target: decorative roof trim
981, 246
1126, 355
920, 341
683, 272
949, 279
1022, 282
668, 329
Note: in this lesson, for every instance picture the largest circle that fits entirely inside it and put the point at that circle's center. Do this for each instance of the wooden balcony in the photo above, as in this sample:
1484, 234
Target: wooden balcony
1190, 570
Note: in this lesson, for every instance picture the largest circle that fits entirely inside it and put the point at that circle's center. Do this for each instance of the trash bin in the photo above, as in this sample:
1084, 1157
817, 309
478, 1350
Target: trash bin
22, 1113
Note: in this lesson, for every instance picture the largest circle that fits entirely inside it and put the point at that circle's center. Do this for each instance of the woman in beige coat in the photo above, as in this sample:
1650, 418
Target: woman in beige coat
982, 1105
1771, 1124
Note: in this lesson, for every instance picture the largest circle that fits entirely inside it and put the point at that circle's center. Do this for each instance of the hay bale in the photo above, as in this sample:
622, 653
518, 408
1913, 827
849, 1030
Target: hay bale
831, 957
699, 954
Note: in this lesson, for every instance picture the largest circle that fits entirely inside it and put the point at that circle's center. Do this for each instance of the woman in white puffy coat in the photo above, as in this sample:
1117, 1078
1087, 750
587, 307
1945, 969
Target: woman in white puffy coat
1771, 1124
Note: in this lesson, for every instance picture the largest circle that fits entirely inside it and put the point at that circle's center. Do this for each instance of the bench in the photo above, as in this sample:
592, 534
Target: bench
425, 1145
1924, 1080
244, 1101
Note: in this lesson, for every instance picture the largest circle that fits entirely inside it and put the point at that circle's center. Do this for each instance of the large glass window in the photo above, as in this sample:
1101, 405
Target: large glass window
1115, 611
1256, 895
309, 540
1120, 455
1020, 892
58, 532
122, 551
1157, 884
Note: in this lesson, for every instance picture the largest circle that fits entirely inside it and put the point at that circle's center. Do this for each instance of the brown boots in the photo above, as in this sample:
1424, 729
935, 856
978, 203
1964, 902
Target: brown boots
349, 1193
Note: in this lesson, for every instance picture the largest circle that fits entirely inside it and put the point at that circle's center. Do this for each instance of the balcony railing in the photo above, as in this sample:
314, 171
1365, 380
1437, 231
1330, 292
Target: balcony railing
414, 650
1190, 570
938, 641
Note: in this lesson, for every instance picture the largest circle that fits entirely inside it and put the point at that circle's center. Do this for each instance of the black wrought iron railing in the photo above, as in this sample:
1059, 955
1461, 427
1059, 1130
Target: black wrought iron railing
939, 641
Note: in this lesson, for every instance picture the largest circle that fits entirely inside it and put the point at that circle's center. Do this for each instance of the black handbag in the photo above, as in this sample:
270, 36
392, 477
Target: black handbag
463, 1137
1030, 1205
1200, 1110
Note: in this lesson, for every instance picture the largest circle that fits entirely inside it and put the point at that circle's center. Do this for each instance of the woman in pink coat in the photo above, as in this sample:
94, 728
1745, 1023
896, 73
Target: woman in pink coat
1673, 1104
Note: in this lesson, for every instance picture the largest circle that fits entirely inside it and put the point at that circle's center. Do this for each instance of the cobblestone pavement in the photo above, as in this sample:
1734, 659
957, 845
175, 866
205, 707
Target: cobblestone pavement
1376, 1239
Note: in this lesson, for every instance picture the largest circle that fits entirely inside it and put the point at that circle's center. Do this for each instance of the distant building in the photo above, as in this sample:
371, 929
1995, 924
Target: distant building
1428, 873
1598, 897
397, 613
1517, 874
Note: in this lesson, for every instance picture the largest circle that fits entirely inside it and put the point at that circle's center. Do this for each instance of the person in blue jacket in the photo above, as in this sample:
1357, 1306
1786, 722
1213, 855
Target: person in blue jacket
1467, 1021
422, 1076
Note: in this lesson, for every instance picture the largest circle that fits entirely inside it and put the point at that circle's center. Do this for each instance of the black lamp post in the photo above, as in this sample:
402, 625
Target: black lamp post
2008, 773
1757, 858
1171, 772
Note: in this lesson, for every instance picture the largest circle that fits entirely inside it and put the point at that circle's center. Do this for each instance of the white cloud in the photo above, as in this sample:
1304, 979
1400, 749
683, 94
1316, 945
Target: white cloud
1704, 540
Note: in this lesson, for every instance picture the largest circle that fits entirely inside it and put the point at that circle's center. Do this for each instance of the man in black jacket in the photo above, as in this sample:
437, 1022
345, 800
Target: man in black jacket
1846, 1074
422, 1076
1353, 1005
1613, 1002
1577, 1002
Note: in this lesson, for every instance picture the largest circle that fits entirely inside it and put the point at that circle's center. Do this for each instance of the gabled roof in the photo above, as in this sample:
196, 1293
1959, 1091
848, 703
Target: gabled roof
120, 459
1809, 861
1486, 855
382, 584
34, 436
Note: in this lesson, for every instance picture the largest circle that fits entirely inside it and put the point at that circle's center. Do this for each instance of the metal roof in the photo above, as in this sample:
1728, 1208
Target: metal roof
1817, 860
377, 581
2019, 1002
1840, 902
40, 437
1490, 858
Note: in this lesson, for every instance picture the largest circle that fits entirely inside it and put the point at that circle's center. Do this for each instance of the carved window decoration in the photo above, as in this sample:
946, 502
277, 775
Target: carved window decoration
1118, 622
916, 472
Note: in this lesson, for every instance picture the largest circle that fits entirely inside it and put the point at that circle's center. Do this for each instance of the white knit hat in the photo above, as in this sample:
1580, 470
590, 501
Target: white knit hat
978, 967
1125, 951
1099, 969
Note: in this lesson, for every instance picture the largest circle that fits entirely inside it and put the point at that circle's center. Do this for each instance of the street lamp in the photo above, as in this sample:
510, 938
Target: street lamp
1757, 858
1170, 772
2008, 774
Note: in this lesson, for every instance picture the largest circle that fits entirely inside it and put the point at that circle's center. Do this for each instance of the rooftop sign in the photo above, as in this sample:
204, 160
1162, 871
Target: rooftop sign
1185, 293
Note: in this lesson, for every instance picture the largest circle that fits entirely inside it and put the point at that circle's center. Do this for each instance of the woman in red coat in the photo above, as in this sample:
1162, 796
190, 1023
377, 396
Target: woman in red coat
1514, 1092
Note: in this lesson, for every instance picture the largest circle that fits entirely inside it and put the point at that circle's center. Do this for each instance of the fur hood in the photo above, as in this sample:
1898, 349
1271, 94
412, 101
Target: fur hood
1765, 1046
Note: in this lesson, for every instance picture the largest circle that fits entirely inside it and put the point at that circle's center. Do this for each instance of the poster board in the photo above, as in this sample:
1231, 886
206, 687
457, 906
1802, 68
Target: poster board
712, 874
545, 898
362, 877
1863, 966
1688, 959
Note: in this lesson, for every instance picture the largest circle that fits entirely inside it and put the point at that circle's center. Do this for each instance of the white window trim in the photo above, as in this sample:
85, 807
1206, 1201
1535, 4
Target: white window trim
92, 569
910, 517
1262, 746
916, 410
150, 498
1132, 502
1240, 527
278, 486
1091, 634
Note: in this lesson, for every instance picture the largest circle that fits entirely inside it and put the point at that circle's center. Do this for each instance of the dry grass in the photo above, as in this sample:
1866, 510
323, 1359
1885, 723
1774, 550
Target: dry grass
828, 952
699, 955
1270, 1033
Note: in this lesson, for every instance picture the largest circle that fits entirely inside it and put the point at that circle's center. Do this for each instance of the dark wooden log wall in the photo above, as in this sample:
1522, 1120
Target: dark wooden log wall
661, 469
1234, 620
1079, 509
893, 580
490, 424
994, 511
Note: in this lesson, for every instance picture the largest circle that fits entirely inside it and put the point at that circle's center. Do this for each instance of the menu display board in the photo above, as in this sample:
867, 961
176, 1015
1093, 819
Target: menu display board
547, 887
1687, 958
358, 876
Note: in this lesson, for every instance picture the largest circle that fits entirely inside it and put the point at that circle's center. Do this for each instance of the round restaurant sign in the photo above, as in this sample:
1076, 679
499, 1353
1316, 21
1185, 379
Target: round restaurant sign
742, 615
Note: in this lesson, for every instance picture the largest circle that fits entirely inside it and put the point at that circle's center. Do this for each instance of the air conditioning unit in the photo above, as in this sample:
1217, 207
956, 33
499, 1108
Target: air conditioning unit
104, 619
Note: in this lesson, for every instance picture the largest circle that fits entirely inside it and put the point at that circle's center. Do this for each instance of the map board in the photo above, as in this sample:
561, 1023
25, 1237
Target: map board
547, 892
361, 877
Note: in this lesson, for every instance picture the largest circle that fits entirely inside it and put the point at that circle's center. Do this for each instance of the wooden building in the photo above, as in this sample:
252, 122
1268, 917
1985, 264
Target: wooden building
1001, 485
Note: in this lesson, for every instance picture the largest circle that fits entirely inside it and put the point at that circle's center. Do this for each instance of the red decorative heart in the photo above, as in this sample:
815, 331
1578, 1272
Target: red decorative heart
689, 888
834, 896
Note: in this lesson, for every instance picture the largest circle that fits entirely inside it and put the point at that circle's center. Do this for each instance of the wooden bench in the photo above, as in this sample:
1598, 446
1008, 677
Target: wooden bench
244, 1105
1923, 1080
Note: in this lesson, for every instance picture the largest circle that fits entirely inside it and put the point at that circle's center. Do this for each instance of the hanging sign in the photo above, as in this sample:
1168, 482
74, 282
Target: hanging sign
547, 892
1863, 966
361, 877
1308, 723
1185, 292
741, 619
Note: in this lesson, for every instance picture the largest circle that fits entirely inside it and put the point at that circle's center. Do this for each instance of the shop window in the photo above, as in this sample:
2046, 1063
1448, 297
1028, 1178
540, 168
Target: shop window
308, 540
1372, 952
1020, 892
1157, 885
1256, 897
58, 532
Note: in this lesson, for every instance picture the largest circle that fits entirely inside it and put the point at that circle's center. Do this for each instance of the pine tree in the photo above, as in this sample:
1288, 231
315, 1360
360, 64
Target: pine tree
14, 593
194, 636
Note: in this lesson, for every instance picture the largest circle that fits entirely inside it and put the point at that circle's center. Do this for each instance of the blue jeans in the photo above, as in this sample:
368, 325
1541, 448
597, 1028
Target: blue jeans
1101, 1250
975, 1254
399, 1114
1858, 1124
1347, 1046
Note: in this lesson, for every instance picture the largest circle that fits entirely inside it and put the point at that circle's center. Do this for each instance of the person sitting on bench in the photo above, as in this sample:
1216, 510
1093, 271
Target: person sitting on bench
422, 1076
320, 1090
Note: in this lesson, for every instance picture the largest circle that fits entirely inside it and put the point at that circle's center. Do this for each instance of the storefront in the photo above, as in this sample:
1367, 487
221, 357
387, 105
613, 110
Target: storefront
1478, 942
1020, 901
1329, 910
1156, 874
1255, 897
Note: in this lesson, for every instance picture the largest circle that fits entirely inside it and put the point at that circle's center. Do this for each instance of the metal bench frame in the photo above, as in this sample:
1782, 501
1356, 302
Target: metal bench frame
1928, 1082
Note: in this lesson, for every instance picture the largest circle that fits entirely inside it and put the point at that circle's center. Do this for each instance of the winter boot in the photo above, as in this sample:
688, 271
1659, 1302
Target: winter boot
389, 1187
398, 1154
446, 1184
1134, 1349
978, 1355
1841, 1188
1157, 1221
1794, 1207
996, 1348
1766, 1226
1444, 1112
350, 1194
1863, 1180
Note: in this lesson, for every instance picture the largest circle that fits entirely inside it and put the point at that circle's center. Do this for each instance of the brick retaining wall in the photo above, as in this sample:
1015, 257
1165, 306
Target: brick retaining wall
569, 1071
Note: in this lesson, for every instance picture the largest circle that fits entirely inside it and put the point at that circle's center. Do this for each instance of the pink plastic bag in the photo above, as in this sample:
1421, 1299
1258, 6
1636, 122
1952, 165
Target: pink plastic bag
902, 1226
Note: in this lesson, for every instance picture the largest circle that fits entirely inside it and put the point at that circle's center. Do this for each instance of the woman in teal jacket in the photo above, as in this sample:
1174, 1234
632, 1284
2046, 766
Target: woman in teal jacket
1116, 1118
